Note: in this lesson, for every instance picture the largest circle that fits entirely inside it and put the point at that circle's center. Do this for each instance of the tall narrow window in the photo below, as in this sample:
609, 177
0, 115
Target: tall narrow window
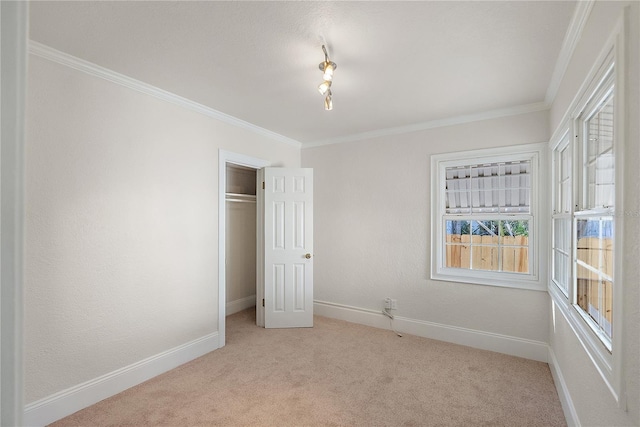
594, 219
562, 213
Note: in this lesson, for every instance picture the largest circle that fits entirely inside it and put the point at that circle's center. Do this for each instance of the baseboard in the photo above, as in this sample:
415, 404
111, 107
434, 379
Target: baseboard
240, 304
66, 402
563, 391
514, 346
362, 316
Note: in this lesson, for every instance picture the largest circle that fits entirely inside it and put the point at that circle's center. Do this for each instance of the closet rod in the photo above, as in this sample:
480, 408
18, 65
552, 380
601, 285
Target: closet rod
241, 200
241, 195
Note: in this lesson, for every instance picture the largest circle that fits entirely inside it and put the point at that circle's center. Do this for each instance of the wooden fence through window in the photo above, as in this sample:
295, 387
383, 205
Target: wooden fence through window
481, 252
593, 251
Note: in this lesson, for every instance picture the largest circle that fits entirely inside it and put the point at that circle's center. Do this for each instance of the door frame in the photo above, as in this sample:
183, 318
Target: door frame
14, 17
225, 157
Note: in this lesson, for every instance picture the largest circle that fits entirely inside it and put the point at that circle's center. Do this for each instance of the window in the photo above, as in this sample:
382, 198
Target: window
594, 274
484, 216
585, 270
562, 214
594, 215
589, 227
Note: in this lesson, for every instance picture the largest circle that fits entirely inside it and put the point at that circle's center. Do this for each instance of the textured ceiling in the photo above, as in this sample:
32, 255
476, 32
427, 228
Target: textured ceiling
399, 63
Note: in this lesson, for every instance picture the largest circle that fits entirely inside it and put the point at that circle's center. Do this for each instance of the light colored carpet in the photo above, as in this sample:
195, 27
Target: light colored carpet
336, 374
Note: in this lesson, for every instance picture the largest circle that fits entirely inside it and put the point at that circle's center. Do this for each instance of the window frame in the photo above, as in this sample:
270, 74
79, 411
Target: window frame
608, 69
559, 145
534, 280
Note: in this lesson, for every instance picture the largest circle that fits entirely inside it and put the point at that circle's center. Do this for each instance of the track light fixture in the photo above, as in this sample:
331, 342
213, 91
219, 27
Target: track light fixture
327, 67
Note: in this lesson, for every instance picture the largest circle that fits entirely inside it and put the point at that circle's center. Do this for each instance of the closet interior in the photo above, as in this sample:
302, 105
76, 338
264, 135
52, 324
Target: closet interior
240, 201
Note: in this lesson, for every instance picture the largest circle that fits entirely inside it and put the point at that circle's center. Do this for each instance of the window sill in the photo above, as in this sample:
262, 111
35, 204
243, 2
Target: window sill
502, 280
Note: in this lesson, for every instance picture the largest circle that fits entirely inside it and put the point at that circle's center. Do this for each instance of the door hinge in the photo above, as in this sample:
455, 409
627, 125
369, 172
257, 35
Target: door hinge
263, 185
263, 302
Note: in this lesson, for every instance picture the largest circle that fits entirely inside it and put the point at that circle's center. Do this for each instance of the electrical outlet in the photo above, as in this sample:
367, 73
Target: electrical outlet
394, 304
387, 303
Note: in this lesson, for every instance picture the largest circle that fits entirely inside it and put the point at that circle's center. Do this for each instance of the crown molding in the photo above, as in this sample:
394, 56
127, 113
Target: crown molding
571, 39
51, 54
432, 124
54, 55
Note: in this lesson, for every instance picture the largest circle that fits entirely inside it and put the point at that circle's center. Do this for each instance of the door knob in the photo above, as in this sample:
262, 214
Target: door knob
308, 256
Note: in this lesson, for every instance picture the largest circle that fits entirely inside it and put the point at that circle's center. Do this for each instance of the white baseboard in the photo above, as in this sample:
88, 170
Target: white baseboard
514, 346
66, 402
569, 410
240, 304
363, 316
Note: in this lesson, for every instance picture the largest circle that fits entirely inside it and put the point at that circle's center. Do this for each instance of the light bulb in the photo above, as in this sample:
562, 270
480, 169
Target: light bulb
324, 87
328, 104
328, 71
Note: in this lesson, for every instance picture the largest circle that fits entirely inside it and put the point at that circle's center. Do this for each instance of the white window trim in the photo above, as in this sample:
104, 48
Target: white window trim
535, 280
607, 363
563, 140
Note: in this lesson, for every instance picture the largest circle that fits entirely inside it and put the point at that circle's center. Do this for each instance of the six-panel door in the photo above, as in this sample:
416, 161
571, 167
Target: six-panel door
288, 247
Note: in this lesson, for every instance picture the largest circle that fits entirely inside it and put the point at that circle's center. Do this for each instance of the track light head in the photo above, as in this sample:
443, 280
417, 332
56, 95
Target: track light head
324, 87
327, 67
328, 103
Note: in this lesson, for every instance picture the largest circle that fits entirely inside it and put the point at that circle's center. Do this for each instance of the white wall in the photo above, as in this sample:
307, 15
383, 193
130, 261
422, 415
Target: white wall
121, 225
240, 251
593, 403
372, 230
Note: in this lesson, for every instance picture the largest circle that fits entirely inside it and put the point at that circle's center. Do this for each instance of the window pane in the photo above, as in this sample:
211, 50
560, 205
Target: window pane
564, 180
561, 234
565, 203
484, 255
561, 271
595, 243
516, 186
594, 272
515, 259
599, 166
565, 165
600, 127
514, 238
490, 187
458, 254
489, 245
484, 240
485, 228
561, 251
457, 190
514, 228
595, 298
587, 290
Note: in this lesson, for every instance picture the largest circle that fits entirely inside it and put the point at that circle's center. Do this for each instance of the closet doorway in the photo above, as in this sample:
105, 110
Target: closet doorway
240, 201
236, 234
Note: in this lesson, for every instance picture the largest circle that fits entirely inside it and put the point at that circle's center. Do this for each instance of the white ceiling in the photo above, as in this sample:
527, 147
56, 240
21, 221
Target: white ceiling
399, 63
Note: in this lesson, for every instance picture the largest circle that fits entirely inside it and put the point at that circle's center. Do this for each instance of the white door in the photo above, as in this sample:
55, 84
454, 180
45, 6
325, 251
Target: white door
285, 266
